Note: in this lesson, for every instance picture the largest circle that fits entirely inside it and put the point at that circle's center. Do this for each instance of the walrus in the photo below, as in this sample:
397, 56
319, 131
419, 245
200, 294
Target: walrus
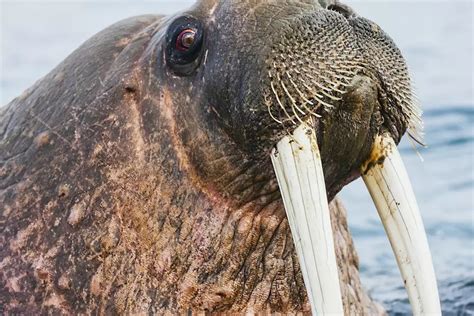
162, 167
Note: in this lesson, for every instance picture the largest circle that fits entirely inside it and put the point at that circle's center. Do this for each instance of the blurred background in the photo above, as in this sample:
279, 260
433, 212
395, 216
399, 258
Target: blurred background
436, 38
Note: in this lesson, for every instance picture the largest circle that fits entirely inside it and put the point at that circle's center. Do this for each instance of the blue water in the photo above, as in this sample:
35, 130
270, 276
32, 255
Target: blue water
436, 39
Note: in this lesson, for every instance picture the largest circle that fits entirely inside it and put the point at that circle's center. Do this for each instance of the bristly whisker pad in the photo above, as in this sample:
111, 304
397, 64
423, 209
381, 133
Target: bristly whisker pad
313, 64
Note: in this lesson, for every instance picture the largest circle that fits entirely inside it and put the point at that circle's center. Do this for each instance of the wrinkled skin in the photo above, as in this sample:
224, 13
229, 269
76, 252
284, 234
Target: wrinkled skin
126, 187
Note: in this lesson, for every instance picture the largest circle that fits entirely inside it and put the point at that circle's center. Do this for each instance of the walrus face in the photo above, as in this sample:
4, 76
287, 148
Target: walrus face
282, 68
323, 96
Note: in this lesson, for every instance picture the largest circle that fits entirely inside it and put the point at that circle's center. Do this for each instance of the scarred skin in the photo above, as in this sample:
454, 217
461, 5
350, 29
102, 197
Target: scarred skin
126, 188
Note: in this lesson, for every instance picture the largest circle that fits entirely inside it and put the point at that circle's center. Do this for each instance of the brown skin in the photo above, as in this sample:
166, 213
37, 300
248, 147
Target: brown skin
130, 185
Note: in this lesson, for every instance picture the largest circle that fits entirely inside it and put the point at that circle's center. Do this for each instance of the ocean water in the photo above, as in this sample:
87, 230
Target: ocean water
436, 37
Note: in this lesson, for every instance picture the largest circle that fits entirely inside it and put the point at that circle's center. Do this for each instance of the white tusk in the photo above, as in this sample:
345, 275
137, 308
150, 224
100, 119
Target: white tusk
391, 191
299, 172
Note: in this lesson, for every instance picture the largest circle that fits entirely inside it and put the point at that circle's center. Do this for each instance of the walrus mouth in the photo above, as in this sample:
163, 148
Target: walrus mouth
297, 163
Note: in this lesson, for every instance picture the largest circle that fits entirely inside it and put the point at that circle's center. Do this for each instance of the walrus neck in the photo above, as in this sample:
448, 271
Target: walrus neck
235, 258
185, 249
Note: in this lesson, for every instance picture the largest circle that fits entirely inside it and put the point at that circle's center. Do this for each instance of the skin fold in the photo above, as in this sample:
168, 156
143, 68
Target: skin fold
129, 185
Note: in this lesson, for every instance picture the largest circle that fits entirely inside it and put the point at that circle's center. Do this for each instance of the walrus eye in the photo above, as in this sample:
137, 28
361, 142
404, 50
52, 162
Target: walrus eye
184, 41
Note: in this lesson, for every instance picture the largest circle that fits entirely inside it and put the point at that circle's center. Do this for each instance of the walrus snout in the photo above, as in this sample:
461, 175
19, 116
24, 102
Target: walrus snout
312, 63
315, 60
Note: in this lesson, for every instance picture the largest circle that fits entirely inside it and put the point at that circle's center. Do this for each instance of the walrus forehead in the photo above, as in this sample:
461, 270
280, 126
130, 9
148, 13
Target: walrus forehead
255, 4
254, 12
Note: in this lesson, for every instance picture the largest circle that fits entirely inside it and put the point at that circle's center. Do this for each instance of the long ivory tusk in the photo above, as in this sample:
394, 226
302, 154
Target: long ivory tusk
298, 168
391, 191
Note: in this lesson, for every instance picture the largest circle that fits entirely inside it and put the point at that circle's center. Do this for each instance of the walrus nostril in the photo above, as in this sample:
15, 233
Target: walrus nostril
343, 9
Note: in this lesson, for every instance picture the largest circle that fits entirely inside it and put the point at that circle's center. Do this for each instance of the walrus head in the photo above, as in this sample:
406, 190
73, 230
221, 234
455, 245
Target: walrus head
281, 69
164, 166
323, 93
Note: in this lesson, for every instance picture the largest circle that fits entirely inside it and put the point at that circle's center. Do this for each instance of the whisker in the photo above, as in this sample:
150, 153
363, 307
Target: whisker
269, 105
279, 102
293, 101
303, 97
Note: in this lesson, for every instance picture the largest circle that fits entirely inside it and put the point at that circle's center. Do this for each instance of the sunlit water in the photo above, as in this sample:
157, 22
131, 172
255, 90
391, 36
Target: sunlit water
436, 39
